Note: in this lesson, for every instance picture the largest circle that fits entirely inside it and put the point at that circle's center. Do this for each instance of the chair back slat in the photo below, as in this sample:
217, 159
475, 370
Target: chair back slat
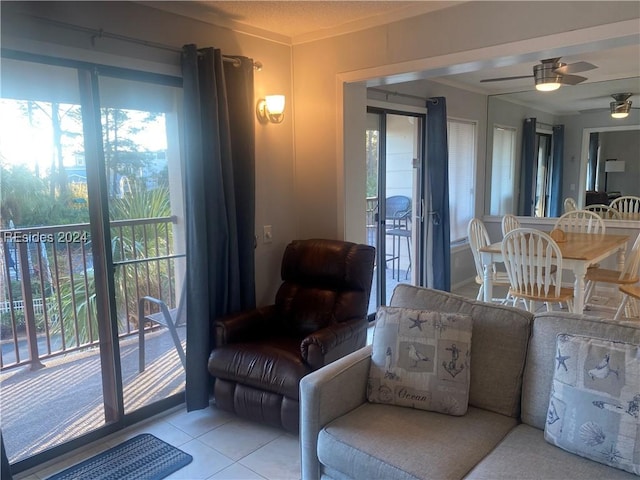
570, 205
604, 211
530, 257
478, 238
631, 267
626, 204
509, 222
581, 221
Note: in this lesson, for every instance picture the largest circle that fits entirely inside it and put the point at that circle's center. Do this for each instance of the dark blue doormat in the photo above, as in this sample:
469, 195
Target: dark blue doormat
143, 457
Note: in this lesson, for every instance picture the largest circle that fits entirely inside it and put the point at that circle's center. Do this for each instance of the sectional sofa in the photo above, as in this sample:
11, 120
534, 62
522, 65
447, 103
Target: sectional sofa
514, 357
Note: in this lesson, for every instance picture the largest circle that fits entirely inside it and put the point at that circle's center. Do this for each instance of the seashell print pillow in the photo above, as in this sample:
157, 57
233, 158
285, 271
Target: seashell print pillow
420, 360
594, 409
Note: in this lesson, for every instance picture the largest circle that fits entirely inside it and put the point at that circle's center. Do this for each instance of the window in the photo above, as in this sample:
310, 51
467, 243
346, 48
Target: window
503, 170
91, 210
462, 168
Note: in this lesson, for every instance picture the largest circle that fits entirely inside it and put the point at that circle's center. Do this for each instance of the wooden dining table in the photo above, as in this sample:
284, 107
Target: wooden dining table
579, 251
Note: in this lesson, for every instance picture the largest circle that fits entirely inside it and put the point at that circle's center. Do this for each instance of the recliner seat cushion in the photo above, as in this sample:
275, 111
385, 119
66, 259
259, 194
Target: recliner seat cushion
273, 365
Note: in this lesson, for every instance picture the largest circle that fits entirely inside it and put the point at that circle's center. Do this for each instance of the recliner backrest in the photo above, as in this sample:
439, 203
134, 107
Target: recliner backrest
324, 282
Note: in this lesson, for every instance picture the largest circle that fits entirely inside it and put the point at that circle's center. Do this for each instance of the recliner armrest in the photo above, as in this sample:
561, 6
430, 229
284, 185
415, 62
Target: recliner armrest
330, 343
243, 326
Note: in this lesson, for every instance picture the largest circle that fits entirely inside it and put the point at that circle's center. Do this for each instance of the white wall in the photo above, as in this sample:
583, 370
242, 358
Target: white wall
574, 158
623, 146
460, 35
275, 173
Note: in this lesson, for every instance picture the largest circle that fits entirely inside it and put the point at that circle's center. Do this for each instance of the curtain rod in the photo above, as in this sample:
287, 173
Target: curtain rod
100, 33
398, 94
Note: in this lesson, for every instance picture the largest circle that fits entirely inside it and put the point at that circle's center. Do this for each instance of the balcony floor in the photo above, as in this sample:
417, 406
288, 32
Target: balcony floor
36, 413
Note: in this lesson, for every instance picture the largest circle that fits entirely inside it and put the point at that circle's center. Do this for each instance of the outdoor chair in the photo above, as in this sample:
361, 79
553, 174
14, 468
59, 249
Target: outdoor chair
398, 226
171, 318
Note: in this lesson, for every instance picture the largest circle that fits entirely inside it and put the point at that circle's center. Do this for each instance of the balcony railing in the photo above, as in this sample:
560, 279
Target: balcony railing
47, 288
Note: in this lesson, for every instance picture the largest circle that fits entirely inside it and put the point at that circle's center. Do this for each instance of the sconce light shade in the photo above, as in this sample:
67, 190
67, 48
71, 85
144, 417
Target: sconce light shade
271, 109
546, 79
620, 108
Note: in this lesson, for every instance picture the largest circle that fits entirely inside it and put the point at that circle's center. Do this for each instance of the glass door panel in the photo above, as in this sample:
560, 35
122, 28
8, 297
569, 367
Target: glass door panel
141, 152
394, 162
52, 388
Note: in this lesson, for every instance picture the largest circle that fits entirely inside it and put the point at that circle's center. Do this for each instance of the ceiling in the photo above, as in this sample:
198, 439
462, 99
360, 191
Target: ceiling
299, 21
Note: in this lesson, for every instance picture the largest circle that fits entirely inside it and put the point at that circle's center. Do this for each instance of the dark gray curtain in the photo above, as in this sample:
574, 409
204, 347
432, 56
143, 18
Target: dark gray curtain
219, 201
557, 166
438, 233
528, 168
594, 143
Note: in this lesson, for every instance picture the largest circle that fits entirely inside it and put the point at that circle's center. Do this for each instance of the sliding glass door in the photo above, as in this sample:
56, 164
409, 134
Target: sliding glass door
91, 224
394, 199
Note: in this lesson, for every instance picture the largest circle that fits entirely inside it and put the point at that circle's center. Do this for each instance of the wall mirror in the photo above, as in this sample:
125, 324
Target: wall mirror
591, 137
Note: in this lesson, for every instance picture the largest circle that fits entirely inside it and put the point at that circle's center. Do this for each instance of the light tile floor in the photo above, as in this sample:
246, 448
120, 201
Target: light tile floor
223, 446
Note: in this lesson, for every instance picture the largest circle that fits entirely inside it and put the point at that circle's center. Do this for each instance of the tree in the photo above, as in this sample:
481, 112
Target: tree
122, 154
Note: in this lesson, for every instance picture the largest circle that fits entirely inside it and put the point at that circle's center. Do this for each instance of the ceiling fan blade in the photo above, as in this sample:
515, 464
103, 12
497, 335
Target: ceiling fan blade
572, 79
506, 78
574, 68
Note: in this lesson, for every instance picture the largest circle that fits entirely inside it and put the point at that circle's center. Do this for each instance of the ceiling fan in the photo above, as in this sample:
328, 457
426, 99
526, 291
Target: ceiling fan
619, 108
551, 73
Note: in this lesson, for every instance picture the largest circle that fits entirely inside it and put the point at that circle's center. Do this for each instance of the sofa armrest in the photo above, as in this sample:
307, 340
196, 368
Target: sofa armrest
327, 394
335, 341
243, 326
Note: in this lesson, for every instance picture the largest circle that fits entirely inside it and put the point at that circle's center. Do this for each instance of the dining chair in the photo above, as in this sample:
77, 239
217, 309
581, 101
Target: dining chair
626, 204
509, 222
629, 292
604, 211
580, 221
478, 238
570, 204
531, 257
627, 276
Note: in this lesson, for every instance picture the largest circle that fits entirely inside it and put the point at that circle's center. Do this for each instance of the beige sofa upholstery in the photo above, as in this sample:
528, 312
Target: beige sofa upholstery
512, 362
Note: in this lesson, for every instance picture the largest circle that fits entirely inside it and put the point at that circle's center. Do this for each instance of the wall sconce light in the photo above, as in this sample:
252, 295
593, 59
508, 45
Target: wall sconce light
620, 108
270, 109
546, 79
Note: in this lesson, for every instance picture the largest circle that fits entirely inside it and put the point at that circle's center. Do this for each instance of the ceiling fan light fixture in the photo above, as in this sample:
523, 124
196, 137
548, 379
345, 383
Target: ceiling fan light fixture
622, 105
547, 80
620, 109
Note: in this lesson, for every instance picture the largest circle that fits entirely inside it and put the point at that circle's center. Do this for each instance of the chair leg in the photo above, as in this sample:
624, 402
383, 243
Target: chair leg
623, 304
480, 292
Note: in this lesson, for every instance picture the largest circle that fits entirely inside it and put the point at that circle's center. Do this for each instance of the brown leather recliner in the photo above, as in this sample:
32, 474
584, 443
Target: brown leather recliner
319, 315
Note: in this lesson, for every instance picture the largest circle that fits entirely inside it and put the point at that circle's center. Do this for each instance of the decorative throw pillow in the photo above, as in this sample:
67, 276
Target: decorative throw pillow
594, 409
421, 360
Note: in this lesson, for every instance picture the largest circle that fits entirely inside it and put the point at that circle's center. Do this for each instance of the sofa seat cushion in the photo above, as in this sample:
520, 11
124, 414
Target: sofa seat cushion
524, 454
385, 441
272, 365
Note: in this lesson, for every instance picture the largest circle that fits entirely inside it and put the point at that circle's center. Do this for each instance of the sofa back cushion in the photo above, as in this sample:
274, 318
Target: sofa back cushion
541, 357
498, 344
